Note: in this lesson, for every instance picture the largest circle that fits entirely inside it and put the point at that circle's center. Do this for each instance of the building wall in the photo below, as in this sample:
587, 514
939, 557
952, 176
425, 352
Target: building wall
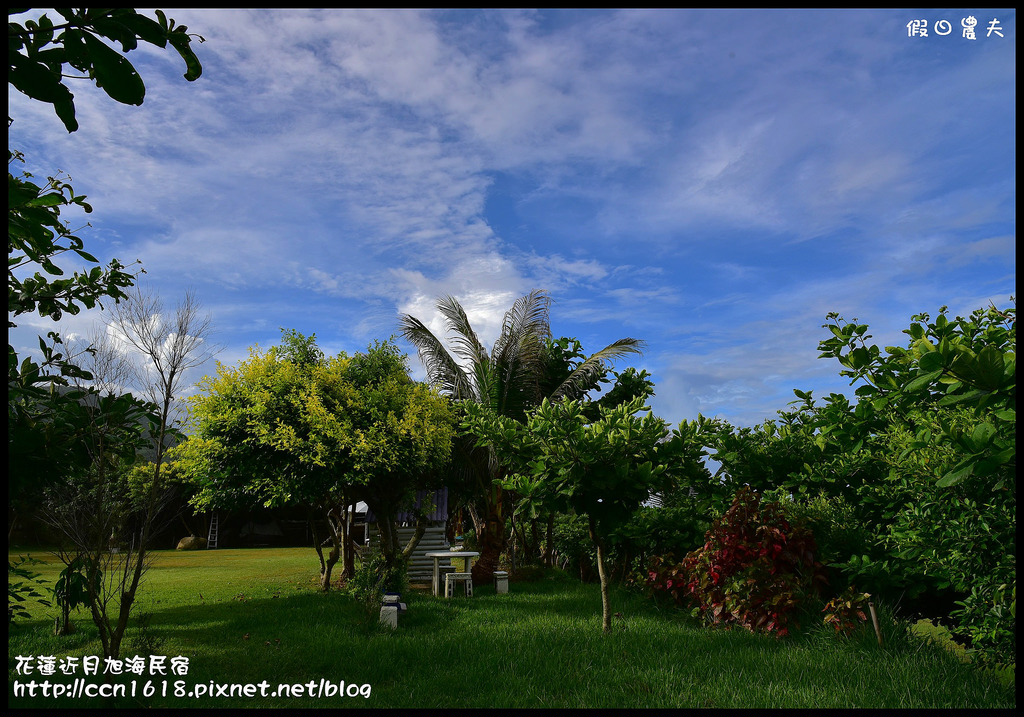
421, 568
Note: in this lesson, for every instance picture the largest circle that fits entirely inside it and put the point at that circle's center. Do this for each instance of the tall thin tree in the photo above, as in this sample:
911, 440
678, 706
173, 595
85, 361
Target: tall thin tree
159, 350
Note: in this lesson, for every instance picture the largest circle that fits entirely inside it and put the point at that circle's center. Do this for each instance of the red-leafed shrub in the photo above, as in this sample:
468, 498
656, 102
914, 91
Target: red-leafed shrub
754, 570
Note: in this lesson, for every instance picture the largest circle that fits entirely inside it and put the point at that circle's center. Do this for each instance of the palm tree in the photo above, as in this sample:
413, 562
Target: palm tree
509, 380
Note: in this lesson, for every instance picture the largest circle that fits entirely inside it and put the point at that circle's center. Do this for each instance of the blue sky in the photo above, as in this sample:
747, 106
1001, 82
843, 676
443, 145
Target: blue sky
712, 182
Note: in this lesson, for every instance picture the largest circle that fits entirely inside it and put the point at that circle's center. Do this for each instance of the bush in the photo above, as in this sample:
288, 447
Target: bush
654, 531
847, 611
650, 532
71, 591
755, 569
573, 546
838, 534
371, 580
987, 617
21, 587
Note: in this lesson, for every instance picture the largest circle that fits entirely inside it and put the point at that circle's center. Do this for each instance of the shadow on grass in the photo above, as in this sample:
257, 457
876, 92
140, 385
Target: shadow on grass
533, 637
245, 641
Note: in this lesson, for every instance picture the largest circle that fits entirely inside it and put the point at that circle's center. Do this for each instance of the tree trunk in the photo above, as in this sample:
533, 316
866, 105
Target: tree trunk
326, 562
549, 552
335, 554
518, 546
421, 528
492, 544
135, 564
348, 546
536, 555
343, 540
325, 575
492, 541
311, 520
606, 610
390, 550
474, 515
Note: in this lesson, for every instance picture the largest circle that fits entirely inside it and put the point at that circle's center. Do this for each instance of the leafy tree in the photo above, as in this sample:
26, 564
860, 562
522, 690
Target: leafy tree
70, 592
602, 469
290, 427
38, 50
964, 362
563, 359
265, 432
513, 377
404, 433
93, 508
949, 398
50, 430
43, 423
93, 511
42, 426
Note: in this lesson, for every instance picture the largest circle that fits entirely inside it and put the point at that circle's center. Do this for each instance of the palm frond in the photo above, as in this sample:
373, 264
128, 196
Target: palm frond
443, 371
518, 354
528, 318
488, 384
594, 364
460, 332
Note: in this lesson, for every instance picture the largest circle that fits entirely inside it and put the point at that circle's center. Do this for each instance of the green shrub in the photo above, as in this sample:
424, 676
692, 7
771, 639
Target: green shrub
651, 533
988, 618
838, 533
372, 579
574, 547
71, 592
654, 531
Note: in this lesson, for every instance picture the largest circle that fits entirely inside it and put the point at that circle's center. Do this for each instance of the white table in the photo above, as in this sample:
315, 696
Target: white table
467, 554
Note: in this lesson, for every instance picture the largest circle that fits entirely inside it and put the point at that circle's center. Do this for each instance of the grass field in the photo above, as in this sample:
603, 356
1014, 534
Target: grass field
254, 617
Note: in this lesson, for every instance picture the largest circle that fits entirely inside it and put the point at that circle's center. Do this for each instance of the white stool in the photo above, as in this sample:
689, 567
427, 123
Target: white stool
451, 578
500, 581
442, 571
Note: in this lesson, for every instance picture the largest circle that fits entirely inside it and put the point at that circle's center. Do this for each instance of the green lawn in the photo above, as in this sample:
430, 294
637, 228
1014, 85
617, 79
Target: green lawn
252, 617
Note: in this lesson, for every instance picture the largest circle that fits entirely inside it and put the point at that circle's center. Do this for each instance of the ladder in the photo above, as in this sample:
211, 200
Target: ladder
211, 540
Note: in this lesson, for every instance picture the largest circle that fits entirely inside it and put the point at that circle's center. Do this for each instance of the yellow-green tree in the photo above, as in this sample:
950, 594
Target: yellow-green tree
290, 427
